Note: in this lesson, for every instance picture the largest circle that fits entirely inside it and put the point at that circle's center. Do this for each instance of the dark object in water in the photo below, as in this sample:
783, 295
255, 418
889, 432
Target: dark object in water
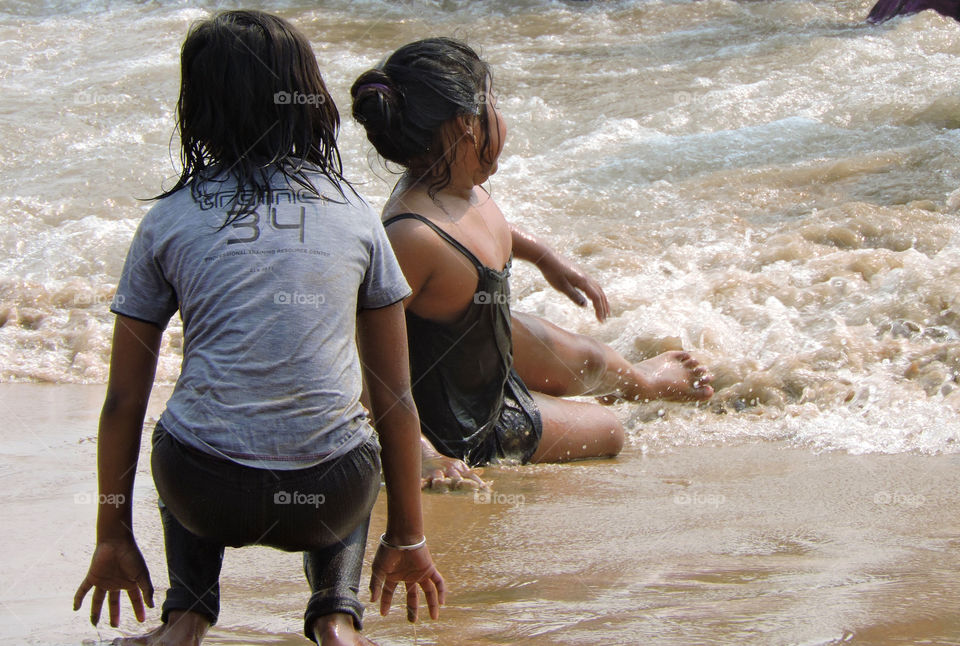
886, 9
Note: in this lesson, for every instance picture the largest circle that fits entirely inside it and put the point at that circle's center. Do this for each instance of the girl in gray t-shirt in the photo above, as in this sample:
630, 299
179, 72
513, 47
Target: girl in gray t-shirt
279, 271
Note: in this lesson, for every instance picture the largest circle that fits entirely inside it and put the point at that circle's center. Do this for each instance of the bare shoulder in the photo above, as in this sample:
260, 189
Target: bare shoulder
417, 248
410, 237
410, 234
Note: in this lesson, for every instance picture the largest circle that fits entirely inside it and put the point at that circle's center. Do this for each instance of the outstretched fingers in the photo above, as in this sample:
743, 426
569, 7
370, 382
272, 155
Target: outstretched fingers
136, 602
442, 473
413, 601
600, 304
96, 605
415, 568
435, 592
82, 591
383, 586
145, 585
386, 597
580, 282
117, 565
382, 589
113, 602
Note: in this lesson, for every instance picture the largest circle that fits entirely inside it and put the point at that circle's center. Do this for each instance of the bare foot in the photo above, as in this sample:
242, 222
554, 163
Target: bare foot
338, 630
183, 628
674, 376
677, 376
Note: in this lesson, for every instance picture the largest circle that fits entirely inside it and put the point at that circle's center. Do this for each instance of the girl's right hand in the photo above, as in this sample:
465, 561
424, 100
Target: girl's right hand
441, 473
117, 564
413, 567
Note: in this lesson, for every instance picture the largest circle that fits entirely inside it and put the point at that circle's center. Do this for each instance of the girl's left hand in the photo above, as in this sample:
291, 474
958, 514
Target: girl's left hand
569, 279
116, 565
413, 567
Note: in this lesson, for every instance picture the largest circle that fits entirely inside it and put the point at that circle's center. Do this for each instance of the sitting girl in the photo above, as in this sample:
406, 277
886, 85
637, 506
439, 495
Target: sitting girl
279, 271
489, 385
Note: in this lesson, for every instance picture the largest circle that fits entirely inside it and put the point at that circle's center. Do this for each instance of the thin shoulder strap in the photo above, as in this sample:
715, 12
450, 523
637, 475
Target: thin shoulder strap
440, 232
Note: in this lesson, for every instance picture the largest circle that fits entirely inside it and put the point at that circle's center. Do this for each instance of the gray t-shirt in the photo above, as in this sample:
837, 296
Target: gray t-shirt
271, 374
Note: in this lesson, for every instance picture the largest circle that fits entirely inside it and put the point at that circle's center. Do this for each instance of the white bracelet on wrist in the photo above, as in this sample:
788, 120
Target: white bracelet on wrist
404, 548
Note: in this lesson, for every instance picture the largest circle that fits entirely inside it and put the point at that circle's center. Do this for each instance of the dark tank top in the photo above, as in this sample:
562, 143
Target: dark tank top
459, 370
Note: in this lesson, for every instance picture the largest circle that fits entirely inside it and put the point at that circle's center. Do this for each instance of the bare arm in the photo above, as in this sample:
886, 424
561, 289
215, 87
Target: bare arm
562, 275
117, 563
382, 338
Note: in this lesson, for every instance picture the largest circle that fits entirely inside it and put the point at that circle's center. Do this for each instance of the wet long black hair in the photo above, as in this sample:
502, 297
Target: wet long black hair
404, 103
252, 103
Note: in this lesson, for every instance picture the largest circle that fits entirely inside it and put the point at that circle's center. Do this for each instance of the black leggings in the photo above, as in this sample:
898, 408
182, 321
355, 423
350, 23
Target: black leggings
207, 503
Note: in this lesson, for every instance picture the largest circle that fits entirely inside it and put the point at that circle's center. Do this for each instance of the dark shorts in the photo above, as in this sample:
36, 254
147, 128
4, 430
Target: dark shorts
207, 503
517, 431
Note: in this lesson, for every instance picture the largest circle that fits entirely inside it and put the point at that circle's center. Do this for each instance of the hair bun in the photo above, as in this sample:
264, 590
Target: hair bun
377, 103
380, 107
406, 102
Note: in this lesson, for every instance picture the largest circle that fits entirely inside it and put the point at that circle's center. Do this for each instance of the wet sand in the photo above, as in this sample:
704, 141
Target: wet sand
756, 543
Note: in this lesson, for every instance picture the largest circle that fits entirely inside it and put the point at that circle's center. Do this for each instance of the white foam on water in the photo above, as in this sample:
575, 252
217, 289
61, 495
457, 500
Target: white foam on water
770, 184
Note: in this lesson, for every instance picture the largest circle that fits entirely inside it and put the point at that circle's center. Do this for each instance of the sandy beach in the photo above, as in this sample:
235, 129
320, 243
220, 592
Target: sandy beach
771, 185
751, 543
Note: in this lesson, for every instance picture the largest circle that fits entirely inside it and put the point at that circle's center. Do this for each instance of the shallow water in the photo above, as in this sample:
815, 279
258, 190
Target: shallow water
771, 184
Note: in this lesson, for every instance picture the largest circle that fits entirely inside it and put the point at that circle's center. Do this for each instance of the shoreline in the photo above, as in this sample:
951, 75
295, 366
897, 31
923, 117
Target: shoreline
751, 543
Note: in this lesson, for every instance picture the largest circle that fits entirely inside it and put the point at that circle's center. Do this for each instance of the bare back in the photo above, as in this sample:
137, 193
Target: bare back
443, 280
